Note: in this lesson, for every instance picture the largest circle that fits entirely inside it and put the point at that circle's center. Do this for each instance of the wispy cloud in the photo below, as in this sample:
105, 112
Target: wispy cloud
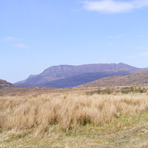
141, 35
114, 6
132, 57
143, 48
10, 39
21, 46
144, 54
117, 36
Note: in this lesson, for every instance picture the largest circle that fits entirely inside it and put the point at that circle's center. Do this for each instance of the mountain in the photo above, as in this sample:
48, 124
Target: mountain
70, 76
74, 81
136, 79
5, 84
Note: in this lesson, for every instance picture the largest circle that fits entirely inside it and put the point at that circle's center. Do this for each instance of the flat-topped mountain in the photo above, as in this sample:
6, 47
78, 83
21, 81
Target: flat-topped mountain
136, 79
5, 84
83, 78
71, 76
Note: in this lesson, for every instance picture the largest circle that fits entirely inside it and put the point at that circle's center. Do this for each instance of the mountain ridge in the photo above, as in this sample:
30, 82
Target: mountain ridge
57, 73
76, 80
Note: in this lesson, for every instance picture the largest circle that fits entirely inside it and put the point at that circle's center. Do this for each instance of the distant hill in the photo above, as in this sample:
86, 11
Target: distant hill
136, 79
5, 84
71, 76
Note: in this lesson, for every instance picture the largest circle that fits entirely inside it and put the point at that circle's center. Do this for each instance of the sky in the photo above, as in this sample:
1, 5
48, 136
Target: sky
37, 34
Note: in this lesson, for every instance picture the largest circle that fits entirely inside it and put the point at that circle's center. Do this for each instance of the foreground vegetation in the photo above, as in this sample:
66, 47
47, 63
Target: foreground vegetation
75, 119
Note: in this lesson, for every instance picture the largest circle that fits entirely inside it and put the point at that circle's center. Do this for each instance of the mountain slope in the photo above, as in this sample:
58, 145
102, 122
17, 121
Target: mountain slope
136, 79
5, 84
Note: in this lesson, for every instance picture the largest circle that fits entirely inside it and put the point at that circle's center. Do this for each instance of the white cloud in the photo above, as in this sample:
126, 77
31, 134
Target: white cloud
143, 48
132, 57
10, 39
114, 6
21, 45
118, 36
144, 54
141, 35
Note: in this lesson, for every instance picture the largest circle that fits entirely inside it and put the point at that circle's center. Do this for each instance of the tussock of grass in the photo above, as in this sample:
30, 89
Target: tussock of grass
67, 111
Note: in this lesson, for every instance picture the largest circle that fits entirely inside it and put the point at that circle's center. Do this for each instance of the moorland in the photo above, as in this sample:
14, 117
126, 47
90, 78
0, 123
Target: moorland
97, 117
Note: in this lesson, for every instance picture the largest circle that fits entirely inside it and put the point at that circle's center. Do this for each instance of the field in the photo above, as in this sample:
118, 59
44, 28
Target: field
71, 118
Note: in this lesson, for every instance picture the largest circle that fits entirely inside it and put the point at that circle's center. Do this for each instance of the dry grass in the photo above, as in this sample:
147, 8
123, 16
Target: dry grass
67, 111
71, 118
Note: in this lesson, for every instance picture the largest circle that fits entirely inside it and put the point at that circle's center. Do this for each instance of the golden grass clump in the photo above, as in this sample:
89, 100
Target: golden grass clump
68, 111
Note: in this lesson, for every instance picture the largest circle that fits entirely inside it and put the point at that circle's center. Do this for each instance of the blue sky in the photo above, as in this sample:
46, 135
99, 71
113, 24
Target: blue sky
37, 34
